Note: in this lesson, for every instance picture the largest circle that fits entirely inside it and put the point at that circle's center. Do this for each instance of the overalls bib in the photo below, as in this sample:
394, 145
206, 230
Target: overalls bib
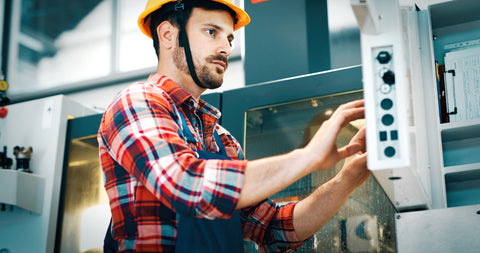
203, 235
196, 234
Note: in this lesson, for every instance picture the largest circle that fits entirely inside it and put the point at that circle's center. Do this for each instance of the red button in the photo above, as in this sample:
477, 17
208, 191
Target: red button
3, 112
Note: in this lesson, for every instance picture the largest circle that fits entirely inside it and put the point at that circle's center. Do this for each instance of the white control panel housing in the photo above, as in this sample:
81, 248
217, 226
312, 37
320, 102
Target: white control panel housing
396, 144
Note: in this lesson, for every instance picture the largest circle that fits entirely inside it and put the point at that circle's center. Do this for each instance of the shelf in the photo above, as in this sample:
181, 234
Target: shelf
460, 130
22, 189
462, 151
464, 172
463, 192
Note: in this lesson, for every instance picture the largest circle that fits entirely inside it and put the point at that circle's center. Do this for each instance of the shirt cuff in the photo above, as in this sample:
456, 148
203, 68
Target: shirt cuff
286, 214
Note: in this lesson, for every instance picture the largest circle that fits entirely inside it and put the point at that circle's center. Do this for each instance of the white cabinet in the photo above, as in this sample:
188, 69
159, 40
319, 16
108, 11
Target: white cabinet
434, 53
433, 94
29, 222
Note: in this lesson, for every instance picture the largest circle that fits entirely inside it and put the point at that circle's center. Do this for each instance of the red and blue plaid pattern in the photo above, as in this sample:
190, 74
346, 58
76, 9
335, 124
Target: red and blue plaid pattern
152, 172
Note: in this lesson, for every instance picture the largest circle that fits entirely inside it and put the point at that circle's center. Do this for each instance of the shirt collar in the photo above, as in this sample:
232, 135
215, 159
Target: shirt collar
176, 92
180, 96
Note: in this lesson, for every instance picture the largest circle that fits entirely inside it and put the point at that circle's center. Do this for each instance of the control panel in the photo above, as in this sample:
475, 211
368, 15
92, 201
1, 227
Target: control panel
394, 102
385, 95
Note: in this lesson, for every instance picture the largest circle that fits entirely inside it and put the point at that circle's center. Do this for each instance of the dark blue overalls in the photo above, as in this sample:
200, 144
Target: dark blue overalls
202, 235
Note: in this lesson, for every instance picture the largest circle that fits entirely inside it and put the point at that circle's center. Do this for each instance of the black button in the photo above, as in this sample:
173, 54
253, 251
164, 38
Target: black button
386, 104
389, 151
383, 135
384, 57
389, 77
394, 135
387, 119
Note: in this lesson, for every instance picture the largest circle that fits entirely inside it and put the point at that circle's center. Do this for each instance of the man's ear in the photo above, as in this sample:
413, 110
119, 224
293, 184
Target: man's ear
166, 34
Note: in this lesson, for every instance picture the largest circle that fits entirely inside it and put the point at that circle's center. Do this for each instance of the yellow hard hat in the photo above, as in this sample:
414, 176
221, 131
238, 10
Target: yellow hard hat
152, 5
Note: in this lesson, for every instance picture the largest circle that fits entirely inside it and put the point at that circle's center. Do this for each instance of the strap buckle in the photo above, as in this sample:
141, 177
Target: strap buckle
179, 6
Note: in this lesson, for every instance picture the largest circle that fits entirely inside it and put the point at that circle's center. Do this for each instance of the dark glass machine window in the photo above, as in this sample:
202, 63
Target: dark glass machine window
366, 222
84, 211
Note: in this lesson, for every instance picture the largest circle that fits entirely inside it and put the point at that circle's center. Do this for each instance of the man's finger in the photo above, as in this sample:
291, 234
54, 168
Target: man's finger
349, 150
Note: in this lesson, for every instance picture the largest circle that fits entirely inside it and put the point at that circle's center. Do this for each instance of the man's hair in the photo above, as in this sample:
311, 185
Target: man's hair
167, 13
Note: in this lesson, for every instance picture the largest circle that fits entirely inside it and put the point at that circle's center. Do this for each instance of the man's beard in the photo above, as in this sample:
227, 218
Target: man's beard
203, 72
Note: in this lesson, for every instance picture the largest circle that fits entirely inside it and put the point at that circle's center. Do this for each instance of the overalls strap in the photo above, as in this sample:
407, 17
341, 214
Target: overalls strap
203, 235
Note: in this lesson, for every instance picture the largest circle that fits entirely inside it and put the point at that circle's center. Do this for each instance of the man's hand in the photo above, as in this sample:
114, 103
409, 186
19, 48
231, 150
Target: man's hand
266, 177
355, 167
313, 212
322, 148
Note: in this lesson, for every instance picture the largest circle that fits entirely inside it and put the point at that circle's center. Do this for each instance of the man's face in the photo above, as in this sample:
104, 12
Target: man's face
210, 34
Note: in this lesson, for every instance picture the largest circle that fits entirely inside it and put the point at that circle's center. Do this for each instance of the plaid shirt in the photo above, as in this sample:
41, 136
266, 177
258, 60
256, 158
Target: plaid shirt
152, 173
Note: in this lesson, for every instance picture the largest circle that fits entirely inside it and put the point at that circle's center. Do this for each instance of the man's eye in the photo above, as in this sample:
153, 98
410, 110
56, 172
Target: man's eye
211, 32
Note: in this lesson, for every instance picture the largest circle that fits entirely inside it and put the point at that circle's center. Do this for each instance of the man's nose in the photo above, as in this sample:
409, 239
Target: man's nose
225, 48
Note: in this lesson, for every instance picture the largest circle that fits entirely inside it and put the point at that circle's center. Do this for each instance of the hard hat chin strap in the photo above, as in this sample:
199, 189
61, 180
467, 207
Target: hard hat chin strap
183, 42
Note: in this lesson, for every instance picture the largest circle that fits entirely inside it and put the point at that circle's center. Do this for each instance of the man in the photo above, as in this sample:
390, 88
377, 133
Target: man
170, 169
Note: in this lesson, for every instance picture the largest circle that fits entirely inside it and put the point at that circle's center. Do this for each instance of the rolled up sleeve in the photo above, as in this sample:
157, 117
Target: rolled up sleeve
270, 226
